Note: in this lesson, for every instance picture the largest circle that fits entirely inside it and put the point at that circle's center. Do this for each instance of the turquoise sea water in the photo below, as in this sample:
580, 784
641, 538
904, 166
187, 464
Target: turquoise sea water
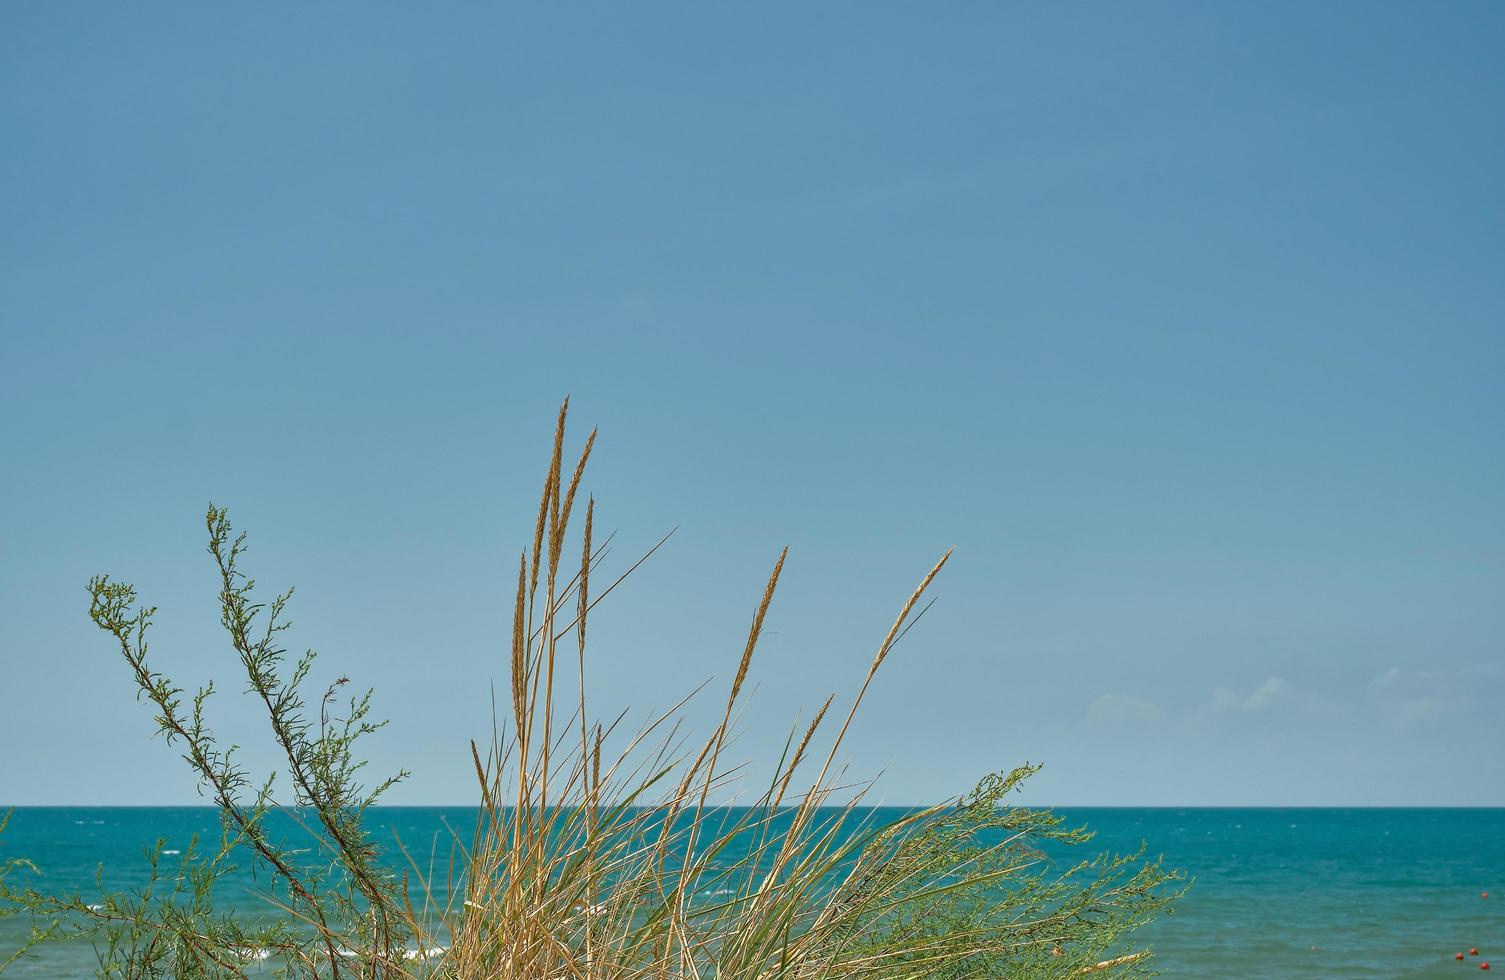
1278, 892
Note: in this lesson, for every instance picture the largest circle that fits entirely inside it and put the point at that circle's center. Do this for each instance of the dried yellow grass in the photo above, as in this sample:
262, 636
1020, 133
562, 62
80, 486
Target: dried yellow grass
584, 873
591, 864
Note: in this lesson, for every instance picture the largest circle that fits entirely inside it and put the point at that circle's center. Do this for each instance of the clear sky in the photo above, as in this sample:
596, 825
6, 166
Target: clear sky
1184, 323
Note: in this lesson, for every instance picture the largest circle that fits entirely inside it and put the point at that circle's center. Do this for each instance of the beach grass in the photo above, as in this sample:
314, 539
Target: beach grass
600, 852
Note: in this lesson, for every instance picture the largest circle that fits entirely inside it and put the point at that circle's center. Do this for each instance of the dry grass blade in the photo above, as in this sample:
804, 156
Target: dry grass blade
757, 627
550, 484
569, 497
880, 656
799, 753
519, 671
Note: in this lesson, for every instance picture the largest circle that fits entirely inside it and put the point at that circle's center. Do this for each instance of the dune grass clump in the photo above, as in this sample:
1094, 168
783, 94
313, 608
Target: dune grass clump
599, 852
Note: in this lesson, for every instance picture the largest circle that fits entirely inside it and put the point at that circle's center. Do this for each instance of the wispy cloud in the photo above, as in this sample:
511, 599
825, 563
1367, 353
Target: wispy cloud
1117, 709
1419, 697
1270, 692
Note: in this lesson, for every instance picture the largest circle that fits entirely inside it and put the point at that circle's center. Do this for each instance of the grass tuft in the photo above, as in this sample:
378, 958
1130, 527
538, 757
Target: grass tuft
598, 852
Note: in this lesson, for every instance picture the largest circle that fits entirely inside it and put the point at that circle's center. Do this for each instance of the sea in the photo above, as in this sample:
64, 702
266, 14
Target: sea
1274, 893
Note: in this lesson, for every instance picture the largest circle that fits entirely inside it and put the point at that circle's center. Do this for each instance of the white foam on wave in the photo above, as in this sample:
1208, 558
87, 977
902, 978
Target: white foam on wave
422, 953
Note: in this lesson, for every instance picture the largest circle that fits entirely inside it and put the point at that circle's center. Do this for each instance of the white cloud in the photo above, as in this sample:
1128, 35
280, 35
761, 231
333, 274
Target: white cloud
1418, 710
1123, 708
1273, 690
1424, 698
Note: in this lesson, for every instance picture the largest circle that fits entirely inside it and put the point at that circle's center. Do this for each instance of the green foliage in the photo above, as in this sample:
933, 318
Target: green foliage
976, 889
341, 910
9, 866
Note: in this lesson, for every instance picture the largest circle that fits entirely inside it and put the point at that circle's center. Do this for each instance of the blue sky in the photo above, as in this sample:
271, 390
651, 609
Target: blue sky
1182, 322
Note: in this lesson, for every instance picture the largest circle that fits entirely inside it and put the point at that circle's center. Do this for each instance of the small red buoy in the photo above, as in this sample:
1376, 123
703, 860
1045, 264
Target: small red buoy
1484, 965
